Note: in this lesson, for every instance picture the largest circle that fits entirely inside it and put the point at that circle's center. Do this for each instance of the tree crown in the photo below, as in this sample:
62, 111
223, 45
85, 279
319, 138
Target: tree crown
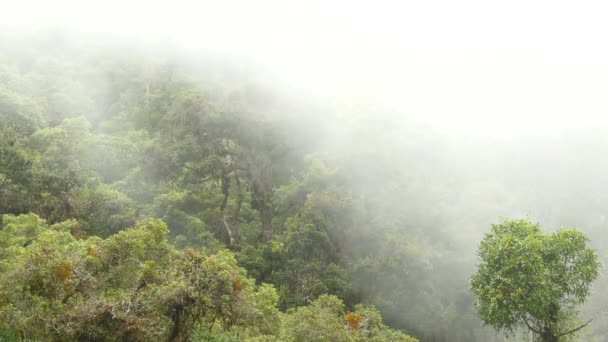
527, 277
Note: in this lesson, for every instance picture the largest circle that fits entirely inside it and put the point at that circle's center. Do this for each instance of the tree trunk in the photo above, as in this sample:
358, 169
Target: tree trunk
266, 218
237, 210
262, 203
175, 317
226, 191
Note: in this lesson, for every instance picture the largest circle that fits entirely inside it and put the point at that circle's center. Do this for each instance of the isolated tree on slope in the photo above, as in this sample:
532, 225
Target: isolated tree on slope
532, 279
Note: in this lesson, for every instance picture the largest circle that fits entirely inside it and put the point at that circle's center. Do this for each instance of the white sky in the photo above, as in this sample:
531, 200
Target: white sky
469, 66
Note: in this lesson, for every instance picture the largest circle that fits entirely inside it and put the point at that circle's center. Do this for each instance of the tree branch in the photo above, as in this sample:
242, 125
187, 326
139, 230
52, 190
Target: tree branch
575, 329
226, 191
530, 327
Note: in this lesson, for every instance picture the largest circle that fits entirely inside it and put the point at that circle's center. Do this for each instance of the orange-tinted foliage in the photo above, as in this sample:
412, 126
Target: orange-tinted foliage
64, 273
237, 284
354, 321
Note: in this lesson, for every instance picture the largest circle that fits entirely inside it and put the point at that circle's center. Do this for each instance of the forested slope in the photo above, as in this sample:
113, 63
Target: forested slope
153, 196
93, 147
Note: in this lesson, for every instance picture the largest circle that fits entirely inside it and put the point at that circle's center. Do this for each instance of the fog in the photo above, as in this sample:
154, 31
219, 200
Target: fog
458, 112
471, 67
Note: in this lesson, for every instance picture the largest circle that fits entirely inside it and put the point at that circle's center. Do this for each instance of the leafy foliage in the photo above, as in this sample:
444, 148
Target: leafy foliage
308, 199
134, 285
529, 278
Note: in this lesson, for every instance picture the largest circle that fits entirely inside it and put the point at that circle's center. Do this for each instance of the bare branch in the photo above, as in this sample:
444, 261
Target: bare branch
575, 329
530, 327
226, 191
229, 231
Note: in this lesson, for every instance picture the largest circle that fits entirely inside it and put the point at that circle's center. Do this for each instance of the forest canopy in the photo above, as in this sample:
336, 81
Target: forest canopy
141, 204
156, 196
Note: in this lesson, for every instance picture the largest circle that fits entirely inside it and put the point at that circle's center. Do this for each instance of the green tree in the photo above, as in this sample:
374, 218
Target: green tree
325, 320
131, 286
15, 173
529, 278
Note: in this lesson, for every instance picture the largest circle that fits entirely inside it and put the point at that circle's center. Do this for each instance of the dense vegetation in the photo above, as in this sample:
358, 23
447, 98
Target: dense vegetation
85, 167
134, 285
148, 197
533, 280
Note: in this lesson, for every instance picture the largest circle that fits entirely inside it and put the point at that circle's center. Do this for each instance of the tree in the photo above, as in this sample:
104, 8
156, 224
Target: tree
529, 278
325, 320
131, 286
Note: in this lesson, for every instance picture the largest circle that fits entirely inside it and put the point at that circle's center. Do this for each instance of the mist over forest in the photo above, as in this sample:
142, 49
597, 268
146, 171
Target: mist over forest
156, 187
